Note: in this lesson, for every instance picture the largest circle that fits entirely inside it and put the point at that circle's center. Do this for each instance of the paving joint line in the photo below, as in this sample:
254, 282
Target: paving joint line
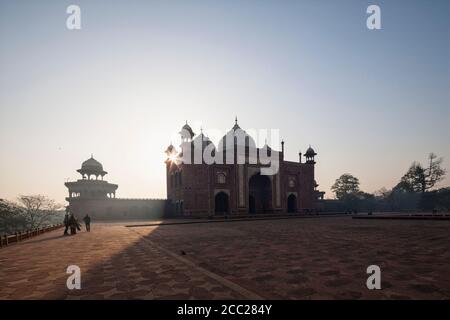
233, 220
223, 281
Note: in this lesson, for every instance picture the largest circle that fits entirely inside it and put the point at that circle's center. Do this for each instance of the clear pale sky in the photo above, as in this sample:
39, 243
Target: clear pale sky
369, 102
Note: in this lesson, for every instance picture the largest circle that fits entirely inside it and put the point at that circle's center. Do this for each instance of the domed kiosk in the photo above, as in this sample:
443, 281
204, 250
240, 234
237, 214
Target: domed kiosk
94, 196
92, 167
90, 186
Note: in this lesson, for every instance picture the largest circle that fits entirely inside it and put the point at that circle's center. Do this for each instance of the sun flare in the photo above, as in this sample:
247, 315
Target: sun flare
173, 157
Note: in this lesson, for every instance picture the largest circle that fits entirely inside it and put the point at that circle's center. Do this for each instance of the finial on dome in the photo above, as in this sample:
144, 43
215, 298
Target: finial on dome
235, 120
92, 156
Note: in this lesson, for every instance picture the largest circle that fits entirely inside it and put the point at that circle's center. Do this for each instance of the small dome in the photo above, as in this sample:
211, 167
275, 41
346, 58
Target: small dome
92, 167
92, 164
170, 149
202, 140
310, 152
187, 132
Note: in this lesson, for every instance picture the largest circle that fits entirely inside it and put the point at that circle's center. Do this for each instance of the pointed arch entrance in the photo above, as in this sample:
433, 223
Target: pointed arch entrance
221, 203
260, 194
292, 203
251, 204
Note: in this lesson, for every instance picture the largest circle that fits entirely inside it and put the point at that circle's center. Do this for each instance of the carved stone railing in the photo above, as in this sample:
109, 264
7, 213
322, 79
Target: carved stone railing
16, 237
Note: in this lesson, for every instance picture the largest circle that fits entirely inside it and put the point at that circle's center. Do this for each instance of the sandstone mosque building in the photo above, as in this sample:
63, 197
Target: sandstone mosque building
234, 189
201, 189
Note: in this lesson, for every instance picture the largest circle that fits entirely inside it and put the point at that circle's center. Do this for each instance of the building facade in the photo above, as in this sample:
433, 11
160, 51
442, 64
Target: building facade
204, 189
94, 196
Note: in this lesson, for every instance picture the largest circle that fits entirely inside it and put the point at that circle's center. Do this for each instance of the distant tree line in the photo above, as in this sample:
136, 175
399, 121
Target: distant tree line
29, 212
415, 191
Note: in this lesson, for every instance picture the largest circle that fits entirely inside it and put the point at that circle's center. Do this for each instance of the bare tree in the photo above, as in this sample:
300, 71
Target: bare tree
38, 209
421, 179
11, 218
434, 173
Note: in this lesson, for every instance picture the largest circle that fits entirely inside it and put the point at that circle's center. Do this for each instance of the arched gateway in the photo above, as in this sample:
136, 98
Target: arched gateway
292, 203
260, 194
221, 203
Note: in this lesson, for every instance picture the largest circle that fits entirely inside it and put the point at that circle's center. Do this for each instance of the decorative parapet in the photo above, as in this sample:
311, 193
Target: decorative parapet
22, 235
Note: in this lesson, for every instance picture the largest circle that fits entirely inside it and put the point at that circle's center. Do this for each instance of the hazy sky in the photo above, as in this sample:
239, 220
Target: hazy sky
369, 102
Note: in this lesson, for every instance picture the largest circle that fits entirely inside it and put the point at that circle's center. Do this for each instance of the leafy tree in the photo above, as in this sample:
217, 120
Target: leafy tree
413, 180
345, 186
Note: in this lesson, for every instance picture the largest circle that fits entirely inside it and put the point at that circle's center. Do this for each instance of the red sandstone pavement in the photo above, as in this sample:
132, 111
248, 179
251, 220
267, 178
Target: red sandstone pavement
315, 258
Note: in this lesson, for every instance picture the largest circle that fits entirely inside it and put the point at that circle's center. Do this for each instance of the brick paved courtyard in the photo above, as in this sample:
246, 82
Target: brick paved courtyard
314, 258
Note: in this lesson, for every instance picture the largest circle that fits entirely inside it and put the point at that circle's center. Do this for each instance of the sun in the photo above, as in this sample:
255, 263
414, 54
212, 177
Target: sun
173, 157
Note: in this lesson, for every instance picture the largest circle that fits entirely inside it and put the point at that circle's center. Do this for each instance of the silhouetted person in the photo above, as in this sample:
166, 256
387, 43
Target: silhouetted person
66, 222
74, 225
87, 222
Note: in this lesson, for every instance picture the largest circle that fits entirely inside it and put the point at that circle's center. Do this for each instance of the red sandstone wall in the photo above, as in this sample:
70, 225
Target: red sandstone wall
118, 209
199, 182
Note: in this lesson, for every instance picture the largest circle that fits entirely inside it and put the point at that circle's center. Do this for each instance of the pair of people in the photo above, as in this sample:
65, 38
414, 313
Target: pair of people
71, 222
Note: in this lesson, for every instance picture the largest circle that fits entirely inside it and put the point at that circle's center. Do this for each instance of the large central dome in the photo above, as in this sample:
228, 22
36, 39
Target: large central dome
239, 136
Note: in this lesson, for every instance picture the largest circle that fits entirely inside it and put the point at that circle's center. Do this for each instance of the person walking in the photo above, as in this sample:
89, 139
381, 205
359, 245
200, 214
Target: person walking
87, 222
74, 225
66, 222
